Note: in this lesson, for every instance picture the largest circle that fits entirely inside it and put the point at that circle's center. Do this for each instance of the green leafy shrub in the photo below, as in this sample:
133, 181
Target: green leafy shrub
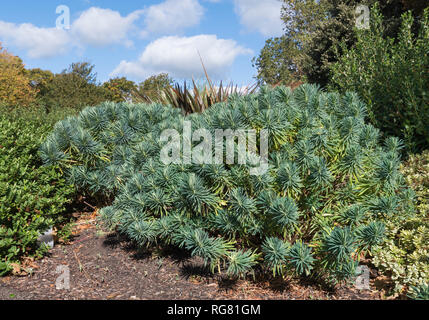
322, 203
405, 253
391, 77
32, 197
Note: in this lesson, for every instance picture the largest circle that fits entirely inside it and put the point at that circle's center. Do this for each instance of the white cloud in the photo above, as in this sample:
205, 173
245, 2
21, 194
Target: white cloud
172, 17
180, 57
262, 16
94, 27
39, 42
101, 27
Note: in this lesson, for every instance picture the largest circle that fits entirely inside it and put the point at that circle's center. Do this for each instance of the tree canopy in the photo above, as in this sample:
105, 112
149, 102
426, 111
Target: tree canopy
15, 87
119, 89
149, 90
313, 32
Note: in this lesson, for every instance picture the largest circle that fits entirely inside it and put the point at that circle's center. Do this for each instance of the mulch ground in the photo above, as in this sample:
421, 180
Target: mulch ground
108, 267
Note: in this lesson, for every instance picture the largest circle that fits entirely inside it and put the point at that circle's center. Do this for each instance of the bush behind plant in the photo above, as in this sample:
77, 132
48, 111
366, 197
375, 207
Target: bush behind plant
391, 76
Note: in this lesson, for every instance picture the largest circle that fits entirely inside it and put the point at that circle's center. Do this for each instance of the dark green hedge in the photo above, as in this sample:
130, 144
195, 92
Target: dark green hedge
32, 198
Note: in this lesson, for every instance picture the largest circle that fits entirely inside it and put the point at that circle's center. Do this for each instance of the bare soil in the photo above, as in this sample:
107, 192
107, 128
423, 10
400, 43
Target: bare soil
107, 266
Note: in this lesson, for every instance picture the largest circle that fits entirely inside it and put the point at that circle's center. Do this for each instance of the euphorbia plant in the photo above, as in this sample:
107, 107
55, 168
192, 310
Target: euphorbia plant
319, 206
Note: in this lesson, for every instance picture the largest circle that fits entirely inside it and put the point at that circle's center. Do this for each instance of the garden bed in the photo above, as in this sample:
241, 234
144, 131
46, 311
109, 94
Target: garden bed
105, 266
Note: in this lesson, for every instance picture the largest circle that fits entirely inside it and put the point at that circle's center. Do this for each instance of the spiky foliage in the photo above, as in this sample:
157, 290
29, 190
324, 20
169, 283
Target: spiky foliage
275, 251
190, 99
419, 293
197, 98
300, 258
328, 187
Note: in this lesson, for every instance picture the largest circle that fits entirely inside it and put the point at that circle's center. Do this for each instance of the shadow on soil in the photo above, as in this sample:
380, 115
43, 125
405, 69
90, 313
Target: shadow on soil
194, 268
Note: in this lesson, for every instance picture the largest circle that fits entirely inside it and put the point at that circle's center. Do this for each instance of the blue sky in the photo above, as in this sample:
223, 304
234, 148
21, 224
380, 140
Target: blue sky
137, 39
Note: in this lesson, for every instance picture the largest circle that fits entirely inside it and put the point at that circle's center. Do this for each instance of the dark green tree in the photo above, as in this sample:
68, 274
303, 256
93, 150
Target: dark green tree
83, 70
75, 87
40, 80
149, 90
275, 63
313, 32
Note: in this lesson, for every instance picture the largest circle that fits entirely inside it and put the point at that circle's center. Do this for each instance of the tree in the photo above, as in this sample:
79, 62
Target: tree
119, 89
149, 89
275, 63
83, 70
75, 87
417, 6
15, 88
316, 28
40, 80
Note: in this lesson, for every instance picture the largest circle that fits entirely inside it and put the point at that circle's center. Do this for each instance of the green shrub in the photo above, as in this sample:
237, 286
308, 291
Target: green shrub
328, 190
32, 198
405, 253
420, 293
391, 76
